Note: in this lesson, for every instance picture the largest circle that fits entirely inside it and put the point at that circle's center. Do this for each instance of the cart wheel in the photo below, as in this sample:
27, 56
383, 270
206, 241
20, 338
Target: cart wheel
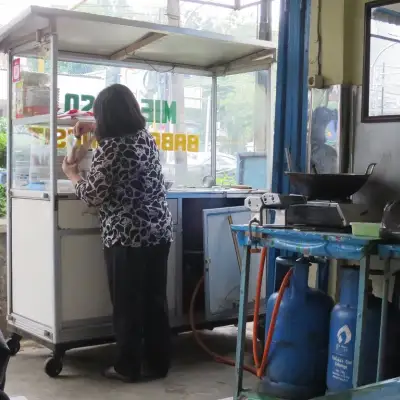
3, 396
53, 367
14, 345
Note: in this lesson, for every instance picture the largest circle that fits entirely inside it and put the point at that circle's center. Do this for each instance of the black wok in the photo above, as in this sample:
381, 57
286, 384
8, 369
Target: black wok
328, 186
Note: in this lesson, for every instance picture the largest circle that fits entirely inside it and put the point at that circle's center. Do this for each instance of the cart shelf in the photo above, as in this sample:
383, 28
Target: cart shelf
45, 120
85, 37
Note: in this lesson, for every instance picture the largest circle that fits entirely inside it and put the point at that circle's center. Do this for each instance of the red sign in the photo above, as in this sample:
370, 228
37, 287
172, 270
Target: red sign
16, 70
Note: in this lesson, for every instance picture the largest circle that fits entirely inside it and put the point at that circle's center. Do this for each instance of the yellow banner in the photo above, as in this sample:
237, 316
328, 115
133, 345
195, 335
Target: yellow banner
165, 141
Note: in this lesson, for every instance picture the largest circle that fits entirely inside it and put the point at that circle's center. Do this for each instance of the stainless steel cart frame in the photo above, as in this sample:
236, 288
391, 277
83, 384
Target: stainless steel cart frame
45, 229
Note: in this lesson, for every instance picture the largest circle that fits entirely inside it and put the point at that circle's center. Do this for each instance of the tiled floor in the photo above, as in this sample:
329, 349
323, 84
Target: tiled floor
193, 376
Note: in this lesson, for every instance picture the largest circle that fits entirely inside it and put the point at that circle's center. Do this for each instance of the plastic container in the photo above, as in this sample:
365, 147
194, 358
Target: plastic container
297, 360
81, 152
368, 229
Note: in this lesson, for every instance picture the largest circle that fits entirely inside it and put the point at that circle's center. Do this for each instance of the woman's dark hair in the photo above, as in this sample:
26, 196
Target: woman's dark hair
117, 113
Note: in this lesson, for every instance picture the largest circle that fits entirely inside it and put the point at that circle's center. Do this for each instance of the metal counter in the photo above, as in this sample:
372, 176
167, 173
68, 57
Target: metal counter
330, 245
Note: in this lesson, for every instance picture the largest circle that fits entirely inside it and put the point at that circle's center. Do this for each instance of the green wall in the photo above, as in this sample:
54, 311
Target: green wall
342, 35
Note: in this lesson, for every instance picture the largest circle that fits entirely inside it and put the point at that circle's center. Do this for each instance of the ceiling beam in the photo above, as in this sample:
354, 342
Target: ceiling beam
210, 3
77, 5
130, 50
255, 3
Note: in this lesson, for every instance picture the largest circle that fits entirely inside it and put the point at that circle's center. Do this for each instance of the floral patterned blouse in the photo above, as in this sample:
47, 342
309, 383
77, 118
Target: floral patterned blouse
126, 184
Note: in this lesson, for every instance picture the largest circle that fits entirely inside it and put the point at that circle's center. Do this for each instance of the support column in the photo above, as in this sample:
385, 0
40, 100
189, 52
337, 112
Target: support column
173, 14
291, 90
291, 103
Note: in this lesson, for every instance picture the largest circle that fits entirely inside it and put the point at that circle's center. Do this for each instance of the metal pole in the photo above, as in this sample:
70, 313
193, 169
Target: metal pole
53, 172
242, 320
178, 94
384, 311
263, 135
361, 317
383, 89
53, 115
10, 174
213, 128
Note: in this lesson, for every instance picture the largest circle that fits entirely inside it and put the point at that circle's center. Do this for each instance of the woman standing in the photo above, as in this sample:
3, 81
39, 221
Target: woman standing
126, 184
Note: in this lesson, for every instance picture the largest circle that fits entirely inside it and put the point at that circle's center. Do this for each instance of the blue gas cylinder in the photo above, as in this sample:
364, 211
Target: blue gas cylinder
343, 333
296, 363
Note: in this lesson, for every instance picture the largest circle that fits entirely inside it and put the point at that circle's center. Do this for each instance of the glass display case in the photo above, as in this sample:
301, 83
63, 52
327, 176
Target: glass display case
178, 113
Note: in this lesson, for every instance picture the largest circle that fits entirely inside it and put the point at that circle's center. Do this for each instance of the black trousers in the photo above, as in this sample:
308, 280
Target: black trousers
138, 287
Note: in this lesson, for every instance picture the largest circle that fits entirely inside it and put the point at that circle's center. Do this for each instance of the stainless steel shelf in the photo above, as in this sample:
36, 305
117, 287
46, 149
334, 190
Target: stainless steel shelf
35, 120
104, 39
45, 120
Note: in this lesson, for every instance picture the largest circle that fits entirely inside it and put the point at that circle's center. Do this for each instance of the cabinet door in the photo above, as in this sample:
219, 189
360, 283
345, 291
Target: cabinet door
85, 293
221, 267
84, 289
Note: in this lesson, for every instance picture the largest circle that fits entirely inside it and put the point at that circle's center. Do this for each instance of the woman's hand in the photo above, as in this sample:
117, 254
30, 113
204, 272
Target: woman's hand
82, 128
71, 171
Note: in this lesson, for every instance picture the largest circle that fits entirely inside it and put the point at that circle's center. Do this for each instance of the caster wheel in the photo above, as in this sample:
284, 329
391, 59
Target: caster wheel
14, 345
3, 396
53, 367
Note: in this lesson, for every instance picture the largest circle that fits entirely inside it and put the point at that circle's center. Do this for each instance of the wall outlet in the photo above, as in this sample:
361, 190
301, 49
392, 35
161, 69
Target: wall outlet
316, 81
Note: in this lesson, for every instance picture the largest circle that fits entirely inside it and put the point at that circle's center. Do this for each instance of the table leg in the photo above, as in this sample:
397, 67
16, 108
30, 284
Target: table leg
242, 321
323, 275
361, 320
383, 327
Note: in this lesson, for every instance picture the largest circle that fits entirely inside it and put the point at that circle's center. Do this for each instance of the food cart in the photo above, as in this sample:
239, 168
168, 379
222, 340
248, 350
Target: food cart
57, 286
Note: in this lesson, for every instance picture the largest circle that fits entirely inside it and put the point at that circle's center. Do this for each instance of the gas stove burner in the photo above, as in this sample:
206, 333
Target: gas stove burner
325, 214
341, 201
327, 229
309, 228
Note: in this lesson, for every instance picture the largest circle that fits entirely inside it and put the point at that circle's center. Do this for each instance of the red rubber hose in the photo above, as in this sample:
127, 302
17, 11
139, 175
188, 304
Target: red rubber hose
260, 366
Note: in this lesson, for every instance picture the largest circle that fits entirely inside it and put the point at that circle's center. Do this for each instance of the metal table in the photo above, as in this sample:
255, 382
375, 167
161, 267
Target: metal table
386, 252
330, 245
387, 390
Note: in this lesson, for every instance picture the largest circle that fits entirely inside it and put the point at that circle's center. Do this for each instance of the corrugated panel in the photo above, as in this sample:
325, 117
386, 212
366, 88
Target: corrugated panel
109, 37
